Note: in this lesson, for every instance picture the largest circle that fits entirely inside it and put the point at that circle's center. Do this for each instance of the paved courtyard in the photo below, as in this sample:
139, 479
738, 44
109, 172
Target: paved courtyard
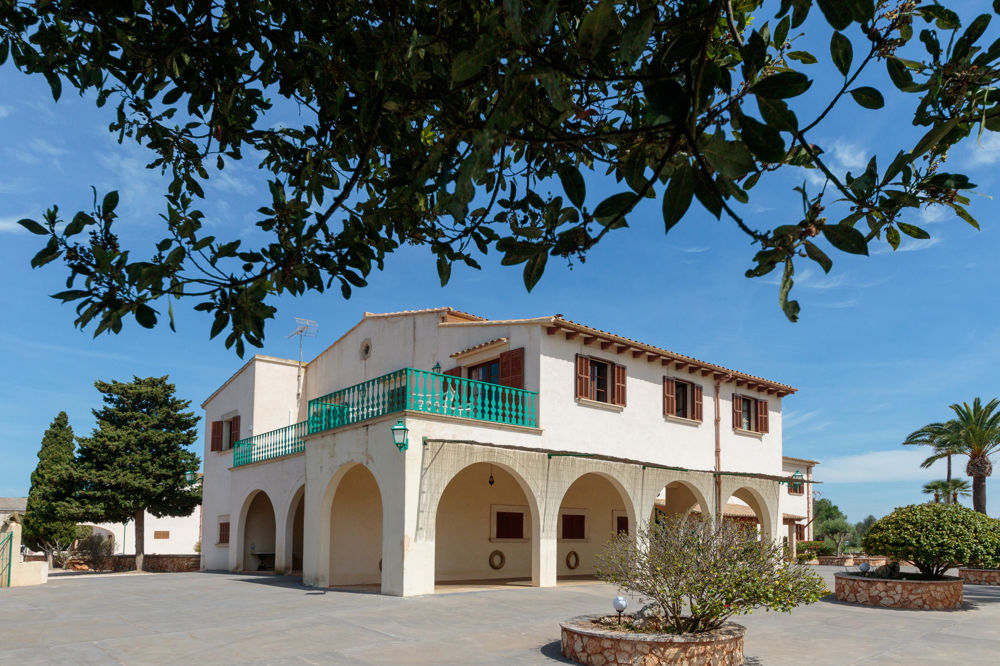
228, 618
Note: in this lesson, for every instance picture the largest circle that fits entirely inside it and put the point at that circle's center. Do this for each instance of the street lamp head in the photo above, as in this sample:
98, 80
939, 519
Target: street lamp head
399, 435
436, 367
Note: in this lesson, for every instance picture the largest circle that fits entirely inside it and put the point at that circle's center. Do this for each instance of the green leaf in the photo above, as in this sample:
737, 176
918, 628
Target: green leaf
899, 73
837, 12
892, 235
763, 141
912, 231
932, 137
790, 308
444, 269
110, 202
80, 220
71, 295
667, 98
777, 114
677, 198
534, 268
842, 53
145, 315
818, 256
613, 206
468, 64
33, 227
868, 97
804, 57
782, 85
595, 26
572, 182
730, 158
846, 238
969, 37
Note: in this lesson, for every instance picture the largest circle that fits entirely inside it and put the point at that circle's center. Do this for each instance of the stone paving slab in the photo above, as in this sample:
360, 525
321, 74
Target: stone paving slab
215, 618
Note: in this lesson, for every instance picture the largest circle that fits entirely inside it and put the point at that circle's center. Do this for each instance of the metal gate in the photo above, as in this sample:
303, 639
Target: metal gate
6, 555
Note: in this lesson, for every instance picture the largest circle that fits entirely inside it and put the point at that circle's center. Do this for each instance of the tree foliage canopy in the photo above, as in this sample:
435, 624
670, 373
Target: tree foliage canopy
136, 458
50, 516
467, 126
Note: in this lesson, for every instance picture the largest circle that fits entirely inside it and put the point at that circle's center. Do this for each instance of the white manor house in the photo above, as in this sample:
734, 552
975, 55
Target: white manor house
433, 446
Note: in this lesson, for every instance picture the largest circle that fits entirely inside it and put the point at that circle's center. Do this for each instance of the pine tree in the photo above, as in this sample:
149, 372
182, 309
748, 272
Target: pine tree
49, 517
136, 458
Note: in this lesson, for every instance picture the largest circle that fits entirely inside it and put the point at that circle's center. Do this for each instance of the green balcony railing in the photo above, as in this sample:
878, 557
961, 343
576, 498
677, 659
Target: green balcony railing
6, 558
271, 444
423, 391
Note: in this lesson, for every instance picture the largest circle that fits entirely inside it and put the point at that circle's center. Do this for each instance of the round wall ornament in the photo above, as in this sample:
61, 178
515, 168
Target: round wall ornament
572, 559
497, 560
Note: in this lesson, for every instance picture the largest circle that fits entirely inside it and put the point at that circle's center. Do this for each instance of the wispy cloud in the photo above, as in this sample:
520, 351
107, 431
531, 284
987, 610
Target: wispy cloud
695, 250
910, 245
5, 111
986, 151
901, 464
840, 156
12, 343
9, 225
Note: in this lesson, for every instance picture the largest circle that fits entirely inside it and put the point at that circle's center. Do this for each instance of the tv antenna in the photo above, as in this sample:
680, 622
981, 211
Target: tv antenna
304, 328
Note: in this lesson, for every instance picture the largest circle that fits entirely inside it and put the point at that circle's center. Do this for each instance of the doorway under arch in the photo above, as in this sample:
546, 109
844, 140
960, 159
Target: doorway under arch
593, 510
356, 529
258, 534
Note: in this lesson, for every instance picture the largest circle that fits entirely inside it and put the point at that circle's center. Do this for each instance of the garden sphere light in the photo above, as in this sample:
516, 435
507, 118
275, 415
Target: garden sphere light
620, 604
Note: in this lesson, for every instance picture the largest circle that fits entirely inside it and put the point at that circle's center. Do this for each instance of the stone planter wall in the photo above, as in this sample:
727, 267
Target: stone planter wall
873, 560
837, 560
979, 576
157, 563
586, 644
889, 593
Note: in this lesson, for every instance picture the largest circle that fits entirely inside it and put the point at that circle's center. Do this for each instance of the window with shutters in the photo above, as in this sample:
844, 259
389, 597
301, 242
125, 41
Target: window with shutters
225, 433
750, 414
682, 399
223, 531
620, 519
796, 488
600, 380
508, 523
574, 527
800, 532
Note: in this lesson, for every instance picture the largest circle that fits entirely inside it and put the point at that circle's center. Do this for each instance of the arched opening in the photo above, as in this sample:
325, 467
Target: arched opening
356, 530
678, 497
483, 530
258, 534
294, 533
745, 506
592, 512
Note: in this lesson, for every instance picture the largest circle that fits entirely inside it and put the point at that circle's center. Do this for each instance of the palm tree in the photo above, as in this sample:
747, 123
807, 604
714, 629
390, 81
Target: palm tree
943, 438
978, 428
950, 490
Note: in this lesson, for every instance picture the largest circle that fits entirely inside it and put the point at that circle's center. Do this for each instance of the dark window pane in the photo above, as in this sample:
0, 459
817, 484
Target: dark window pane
622, 525
747, 414
599, 381
510, 525
681, 393
574, 526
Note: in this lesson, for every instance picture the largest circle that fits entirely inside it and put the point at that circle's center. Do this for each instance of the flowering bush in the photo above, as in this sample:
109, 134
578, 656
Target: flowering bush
815, 548
700, 573
936, 537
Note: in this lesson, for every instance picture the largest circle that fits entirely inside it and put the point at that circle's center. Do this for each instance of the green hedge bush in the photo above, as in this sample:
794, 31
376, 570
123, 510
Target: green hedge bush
936, 537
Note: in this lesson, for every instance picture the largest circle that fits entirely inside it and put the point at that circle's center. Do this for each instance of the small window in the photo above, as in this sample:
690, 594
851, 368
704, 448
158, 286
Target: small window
796, 488
161, 534
574, 526
510, 525
621, 525
224, 532
747, 413
682, 394
800, 532
599, 375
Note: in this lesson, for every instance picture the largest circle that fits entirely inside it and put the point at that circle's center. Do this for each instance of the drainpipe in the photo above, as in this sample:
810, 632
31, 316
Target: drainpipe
719, 509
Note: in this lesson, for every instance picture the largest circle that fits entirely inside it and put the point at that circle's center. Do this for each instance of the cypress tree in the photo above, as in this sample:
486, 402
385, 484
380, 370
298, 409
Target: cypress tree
136, 458
49, 517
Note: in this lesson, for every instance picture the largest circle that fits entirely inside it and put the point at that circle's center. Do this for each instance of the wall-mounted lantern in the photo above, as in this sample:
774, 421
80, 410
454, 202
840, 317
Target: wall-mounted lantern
436, 367
399, 433
190, 476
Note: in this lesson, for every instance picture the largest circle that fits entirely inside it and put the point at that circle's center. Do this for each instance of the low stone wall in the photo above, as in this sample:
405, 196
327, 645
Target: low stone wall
979, 576
155, 563
586, 644
873, 560
837, 560
891, 593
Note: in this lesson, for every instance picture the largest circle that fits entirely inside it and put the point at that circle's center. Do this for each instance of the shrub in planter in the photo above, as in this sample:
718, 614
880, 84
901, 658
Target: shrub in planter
698, 573
936, 537
815, 548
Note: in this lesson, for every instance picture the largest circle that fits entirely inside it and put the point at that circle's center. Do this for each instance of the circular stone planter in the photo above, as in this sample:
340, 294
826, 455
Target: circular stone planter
979, 576
585, 643
892, 593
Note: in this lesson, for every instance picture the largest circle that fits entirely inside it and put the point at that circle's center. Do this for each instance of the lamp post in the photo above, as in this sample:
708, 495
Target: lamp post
399, 433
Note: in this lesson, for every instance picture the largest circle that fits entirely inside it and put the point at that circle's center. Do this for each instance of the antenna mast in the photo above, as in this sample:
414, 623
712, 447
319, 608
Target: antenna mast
304, 328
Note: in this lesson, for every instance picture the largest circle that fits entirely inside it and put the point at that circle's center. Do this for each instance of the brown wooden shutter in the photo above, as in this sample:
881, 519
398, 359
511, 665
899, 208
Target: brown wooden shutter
762, 424
737, 412
620, 380
512, 368
669, 397
454, 372
224, 532
696, 413
234, 430
582, 376
216, 436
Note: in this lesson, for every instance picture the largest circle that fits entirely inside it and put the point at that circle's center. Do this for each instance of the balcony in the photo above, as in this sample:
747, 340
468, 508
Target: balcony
404, 390
427, 392
270, 444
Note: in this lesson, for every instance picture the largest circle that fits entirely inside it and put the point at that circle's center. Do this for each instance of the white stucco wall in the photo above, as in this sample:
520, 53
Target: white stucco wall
184, 533
798, 505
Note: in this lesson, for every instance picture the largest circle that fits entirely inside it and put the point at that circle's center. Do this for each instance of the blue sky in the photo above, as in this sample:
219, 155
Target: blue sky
883, 345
